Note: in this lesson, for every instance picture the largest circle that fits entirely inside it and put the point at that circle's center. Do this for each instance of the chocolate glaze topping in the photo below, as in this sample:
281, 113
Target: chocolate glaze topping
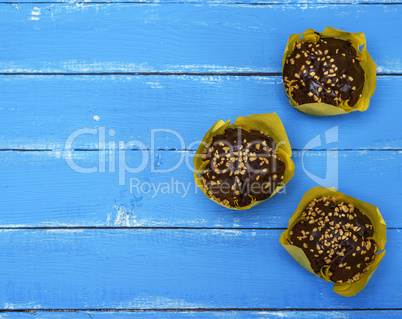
243, 166
327, 72
336, 235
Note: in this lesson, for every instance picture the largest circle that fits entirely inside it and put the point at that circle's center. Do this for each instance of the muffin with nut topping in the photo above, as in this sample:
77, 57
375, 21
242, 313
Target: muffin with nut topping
241, 165
336, 237
327, 74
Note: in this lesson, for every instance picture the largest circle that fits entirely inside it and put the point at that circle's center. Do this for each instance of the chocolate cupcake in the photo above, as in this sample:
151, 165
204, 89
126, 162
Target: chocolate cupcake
337, 238
326, 74
241, 165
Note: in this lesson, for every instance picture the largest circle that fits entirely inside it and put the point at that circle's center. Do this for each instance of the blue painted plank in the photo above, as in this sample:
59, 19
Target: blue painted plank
40, 189
159, 269
344, 314
41, 112
180, 38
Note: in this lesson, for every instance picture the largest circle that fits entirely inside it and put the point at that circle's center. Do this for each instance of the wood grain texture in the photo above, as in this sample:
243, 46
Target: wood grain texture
339, 314
39, 189
180, 38
148, 269
40, 112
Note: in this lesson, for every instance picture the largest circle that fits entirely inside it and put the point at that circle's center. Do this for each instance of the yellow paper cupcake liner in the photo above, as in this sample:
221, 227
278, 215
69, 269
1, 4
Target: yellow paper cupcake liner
364, 58
379, 237
268, 123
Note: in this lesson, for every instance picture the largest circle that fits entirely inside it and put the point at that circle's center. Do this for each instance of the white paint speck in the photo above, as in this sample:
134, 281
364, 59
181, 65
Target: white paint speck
36, 11
26, 305
124, 217
35, 14
109, 218
155, 85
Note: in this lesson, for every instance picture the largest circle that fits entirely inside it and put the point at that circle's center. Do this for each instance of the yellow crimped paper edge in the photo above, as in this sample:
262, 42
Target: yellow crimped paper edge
379, 236
370, 71
269, 123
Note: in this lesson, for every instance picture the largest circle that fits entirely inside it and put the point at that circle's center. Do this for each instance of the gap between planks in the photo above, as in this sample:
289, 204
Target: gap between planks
148, 227
194, 309
161, 73
193, 150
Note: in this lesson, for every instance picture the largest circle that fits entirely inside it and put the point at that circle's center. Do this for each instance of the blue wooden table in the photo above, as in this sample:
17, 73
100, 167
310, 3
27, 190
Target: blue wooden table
84, 236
